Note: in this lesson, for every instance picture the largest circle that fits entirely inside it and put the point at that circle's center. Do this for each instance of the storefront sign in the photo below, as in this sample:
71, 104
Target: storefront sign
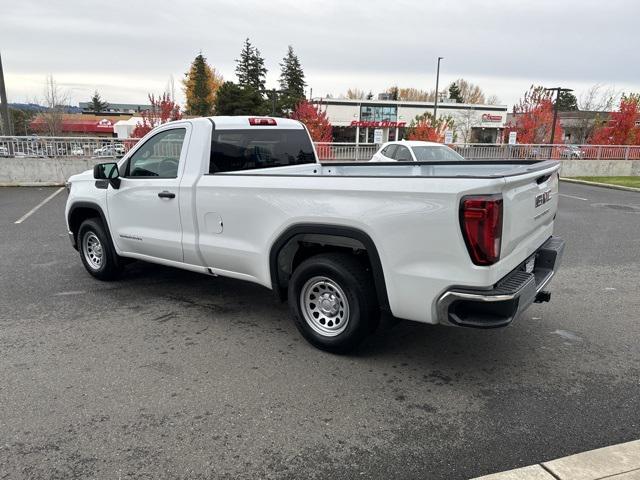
104, 123
487, 117
385, 124
377, 135
448, 137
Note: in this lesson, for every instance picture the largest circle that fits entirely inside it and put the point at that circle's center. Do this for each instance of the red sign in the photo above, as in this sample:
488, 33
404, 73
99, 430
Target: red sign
104, 123
487, 117
385, 124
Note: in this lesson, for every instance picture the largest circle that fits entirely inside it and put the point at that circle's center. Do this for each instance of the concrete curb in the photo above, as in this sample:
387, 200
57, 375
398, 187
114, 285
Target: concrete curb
598, 184
32, 184
617, 462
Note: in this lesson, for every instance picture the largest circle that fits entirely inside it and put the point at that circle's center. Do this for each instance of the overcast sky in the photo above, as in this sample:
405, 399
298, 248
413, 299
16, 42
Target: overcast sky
125, 49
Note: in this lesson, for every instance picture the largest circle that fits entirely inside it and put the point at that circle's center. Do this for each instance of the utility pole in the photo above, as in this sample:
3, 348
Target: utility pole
435, 105
274, 97
4, 105
555, 108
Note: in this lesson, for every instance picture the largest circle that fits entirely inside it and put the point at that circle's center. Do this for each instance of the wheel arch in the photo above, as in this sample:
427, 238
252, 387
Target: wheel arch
284, 249
79, 212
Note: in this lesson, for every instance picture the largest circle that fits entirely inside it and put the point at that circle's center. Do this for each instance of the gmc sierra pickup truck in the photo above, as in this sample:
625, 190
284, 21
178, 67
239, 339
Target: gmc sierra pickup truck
459, 243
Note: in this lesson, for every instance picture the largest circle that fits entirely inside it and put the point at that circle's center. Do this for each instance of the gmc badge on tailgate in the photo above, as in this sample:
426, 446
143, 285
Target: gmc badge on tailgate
543, 198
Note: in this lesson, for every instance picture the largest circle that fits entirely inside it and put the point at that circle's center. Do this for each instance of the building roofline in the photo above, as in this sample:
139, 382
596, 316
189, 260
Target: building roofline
408, 103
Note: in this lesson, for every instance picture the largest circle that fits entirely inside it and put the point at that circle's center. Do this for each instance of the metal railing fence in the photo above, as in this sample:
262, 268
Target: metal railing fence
55, 147
106, 147
345, 151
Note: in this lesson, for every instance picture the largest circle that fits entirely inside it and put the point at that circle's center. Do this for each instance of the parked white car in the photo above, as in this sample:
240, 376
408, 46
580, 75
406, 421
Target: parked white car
460, 243
77, 150
115, 150
415, 151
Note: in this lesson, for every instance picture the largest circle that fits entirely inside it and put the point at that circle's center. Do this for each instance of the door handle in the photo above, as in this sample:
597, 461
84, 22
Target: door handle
166, 194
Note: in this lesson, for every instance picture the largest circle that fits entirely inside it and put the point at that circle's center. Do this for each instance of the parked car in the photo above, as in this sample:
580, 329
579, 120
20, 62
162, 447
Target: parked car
116, 150
415, 151
458, 243
571, 151
76, 150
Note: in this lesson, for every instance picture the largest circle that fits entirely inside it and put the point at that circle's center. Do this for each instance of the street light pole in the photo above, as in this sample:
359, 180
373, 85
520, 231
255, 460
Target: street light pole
435, 104
555, 108
4, 105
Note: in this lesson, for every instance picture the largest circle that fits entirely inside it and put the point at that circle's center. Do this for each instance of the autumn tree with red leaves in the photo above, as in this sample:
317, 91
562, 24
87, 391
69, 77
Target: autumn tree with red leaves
533, 118
163, 109
621, 129
424, 127
315, 120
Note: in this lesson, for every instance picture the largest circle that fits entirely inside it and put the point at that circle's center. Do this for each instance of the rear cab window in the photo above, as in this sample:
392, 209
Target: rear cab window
252, 148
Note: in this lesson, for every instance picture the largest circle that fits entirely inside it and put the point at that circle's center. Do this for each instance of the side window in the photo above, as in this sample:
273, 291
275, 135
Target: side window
159, 157
389, 150
402, 154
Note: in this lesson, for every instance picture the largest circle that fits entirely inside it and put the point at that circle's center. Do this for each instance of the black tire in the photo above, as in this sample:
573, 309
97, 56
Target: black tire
111, 265
361, 314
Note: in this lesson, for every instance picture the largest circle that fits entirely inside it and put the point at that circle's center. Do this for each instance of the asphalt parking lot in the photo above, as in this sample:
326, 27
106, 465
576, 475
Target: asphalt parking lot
171, 374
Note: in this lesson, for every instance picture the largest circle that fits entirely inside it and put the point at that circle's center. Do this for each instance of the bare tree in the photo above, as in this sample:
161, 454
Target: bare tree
170, 89
466, 120
55, 101
355, 94
493, 100
598, 98
469, 92
416, 95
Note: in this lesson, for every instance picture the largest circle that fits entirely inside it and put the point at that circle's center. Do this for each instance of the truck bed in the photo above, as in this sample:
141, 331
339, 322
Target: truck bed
469, 169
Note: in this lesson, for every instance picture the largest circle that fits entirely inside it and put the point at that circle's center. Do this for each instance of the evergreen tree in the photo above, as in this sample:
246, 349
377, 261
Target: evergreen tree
234, 99
250, 67
96, 105
243, 67
291, 74
291, 82
455, 94
201, 83
258, 71
567, 102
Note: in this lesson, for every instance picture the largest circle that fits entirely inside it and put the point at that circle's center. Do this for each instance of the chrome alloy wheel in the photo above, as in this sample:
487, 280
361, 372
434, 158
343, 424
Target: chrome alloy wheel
92, 250
324, 306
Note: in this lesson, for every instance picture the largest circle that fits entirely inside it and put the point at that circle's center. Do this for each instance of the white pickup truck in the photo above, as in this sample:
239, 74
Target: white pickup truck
454, 242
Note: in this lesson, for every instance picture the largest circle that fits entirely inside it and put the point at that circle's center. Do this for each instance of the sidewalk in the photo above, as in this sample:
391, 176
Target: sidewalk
617, 462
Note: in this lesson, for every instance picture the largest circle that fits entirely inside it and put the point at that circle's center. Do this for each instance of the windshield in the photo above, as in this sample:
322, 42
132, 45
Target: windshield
437, 153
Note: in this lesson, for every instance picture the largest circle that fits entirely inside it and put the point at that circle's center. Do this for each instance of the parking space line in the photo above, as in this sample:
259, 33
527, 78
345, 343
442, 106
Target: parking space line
41, 204
573, 196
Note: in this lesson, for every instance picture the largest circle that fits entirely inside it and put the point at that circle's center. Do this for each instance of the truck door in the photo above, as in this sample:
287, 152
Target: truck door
144, 212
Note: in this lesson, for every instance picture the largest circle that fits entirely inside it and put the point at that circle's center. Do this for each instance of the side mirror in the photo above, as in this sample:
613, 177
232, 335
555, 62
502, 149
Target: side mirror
107, 171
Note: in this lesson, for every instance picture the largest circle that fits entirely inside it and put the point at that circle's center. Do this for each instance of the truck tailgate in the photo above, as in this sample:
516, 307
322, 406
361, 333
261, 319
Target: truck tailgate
530, 205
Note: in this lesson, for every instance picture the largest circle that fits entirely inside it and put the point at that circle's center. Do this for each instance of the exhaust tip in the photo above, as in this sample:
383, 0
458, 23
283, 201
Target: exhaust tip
542, 297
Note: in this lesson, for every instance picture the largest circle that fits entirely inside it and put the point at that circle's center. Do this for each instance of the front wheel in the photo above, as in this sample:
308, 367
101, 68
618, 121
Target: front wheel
97, 252
333, 301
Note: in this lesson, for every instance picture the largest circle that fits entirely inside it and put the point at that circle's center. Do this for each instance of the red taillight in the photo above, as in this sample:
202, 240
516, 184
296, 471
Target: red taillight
262, 121
481, 223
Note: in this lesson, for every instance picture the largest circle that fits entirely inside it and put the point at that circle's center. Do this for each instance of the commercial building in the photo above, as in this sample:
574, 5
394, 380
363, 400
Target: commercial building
115, 108
85, 125
363, 121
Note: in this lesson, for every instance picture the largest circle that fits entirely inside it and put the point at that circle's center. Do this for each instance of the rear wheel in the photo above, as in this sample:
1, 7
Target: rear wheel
333, 301
97, 252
